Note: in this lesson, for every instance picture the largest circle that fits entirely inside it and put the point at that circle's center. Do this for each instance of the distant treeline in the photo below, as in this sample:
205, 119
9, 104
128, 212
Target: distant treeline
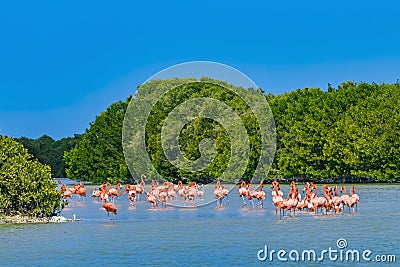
349, 133
51, 152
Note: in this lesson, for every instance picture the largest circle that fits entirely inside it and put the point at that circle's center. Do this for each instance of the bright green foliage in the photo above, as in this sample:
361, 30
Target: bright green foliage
349, 131
98, 156
26, 186
300, 122
221, 138
352, 131
200, 129
365, 139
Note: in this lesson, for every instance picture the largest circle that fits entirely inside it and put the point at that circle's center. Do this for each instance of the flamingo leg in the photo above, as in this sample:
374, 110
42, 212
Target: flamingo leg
244, 201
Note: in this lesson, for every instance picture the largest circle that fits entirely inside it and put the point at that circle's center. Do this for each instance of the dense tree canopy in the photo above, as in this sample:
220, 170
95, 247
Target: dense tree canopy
221, 131
26, 186
50, 151
98, 156
351, 131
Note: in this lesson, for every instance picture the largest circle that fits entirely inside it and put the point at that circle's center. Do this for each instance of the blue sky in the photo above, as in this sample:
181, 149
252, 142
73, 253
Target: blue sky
63, 62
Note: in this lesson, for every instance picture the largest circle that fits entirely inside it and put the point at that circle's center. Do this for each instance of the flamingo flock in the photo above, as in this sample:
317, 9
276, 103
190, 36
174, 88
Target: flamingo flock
78, 189
161, 195
312, 202
220, 193
245, 191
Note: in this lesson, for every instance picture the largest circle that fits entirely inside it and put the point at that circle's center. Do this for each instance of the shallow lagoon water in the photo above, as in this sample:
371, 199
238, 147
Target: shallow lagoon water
205, 236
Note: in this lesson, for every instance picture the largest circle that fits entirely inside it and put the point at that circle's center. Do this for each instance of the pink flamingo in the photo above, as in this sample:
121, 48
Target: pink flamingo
355, 196
277, 195
259, 195
191, 193
96, 193
327, 192
180, 189
345, 197
104, 192
292, 201
132, 196
115, 192
171, 192
140, 187
250, 194
337, 201
352, 199
80, 190
66, 192
142, 177
317, 202
152, 200
218, 193
153, 194
304, 203
309, 196
243, 192
163, 196
109, 207
200, 193
131, 191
